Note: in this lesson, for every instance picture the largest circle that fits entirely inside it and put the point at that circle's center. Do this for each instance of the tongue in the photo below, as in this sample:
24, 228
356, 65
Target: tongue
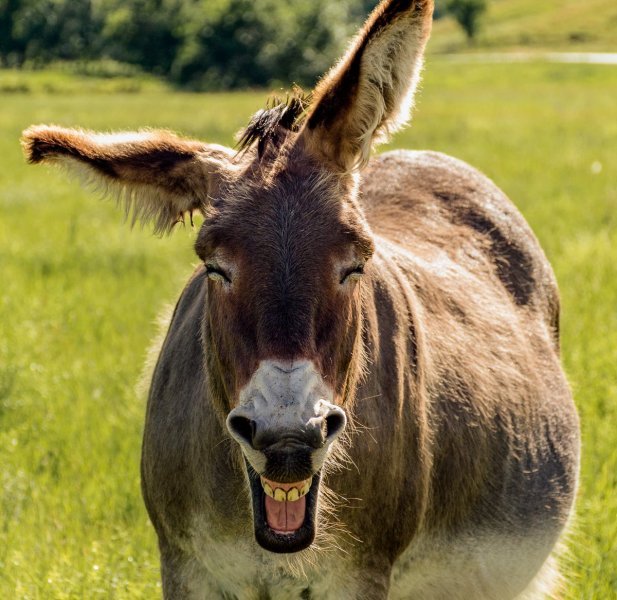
285, 517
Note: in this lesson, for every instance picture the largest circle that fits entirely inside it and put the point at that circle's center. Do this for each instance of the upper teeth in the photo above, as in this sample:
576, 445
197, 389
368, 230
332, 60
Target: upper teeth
291, 494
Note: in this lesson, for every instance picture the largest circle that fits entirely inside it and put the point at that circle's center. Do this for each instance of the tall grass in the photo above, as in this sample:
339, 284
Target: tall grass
79, 294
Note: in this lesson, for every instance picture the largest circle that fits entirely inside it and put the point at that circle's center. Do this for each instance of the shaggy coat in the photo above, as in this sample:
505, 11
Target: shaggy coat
359, 394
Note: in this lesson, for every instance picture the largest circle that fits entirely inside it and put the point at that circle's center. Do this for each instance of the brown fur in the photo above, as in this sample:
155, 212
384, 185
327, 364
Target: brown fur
158, 175
444, 354
368, 94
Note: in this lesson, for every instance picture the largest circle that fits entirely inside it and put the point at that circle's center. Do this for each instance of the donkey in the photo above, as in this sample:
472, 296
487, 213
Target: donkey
359, 394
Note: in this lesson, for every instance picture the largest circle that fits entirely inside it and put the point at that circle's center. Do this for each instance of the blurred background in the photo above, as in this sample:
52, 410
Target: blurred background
524, 90
230, 44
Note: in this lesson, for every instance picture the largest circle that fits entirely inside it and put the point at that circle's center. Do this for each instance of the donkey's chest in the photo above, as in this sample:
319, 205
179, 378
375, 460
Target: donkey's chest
239, 569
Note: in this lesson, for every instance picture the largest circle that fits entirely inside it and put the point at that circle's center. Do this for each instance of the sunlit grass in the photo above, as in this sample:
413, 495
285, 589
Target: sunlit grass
67, 78
79, 293
566, 25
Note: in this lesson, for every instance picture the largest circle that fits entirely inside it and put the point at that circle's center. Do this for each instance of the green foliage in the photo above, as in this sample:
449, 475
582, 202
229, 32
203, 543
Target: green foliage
142, 32
223, 44
257, 42
8, 9
214, 45
45, 30
79, 293
467, 13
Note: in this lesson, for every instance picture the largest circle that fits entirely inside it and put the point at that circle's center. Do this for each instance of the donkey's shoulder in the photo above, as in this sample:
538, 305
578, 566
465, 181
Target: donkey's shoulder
428, 199
437, 185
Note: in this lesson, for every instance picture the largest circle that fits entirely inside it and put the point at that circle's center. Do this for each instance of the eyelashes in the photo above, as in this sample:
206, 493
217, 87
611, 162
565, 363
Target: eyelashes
354, 272
217, 274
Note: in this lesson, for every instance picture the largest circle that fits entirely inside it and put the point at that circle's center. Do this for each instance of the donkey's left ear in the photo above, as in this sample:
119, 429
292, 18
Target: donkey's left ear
370, 92
158, 175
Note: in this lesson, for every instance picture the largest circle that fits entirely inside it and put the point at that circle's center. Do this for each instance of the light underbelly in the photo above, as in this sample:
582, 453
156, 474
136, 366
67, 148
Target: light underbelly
490, 567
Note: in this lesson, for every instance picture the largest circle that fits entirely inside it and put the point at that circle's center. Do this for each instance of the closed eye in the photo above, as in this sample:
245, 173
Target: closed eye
352, 273
216, 273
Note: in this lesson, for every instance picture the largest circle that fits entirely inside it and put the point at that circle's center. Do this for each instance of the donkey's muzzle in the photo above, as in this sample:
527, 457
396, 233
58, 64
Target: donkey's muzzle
285, 422
288, 451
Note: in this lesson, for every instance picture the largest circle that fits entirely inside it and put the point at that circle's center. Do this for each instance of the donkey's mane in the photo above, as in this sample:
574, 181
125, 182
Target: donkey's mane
265, 125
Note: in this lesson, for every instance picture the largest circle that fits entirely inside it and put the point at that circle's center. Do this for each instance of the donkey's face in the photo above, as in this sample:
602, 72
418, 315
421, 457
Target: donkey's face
284, 255
284, 246
283, 261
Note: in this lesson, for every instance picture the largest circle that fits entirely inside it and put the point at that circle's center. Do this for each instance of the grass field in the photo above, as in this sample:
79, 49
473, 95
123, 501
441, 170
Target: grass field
569, 25
79, 294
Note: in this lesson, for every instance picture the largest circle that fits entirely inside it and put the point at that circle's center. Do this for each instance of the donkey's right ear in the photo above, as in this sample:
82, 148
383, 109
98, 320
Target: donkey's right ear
157, 175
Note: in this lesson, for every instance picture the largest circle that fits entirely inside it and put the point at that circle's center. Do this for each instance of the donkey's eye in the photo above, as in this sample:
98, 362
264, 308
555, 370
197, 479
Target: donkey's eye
216, 273
353, 273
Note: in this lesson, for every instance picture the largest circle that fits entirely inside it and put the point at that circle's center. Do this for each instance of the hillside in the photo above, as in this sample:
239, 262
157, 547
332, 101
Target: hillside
529, 25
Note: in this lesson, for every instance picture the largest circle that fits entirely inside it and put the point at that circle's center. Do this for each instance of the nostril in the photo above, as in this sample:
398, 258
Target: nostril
335, 423
242, 427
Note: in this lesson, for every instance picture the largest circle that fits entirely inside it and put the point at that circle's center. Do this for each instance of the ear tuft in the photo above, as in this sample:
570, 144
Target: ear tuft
266, 124
41, 142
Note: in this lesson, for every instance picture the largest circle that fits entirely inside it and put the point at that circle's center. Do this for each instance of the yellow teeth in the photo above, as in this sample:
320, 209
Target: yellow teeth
291, 495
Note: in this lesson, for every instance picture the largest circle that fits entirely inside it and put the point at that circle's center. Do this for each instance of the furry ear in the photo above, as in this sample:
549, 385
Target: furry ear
158, 176
370, 92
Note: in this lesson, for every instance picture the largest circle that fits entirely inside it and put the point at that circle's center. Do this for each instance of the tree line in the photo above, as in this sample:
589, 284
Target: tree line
200, 44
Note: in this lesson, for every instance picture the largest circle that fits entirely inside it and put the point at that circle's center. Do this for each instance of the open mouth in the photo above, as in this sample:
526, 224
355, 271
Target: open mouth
284, 513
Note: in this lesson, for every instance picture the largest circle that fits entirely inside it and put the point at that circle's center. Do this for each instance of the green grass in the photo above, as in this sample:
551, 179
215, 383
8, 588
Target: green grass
79, 294
569, 25
78, 78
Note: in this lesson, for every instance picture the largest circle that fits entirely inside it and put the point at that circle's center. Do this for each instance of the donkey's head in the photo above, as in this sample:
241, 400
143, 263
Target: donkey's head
284, 246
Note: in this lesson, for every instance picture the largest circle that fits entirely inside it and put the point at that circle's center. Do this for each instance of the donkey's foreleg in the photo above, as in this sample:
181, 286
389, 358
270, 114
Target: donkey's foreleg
183, 577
